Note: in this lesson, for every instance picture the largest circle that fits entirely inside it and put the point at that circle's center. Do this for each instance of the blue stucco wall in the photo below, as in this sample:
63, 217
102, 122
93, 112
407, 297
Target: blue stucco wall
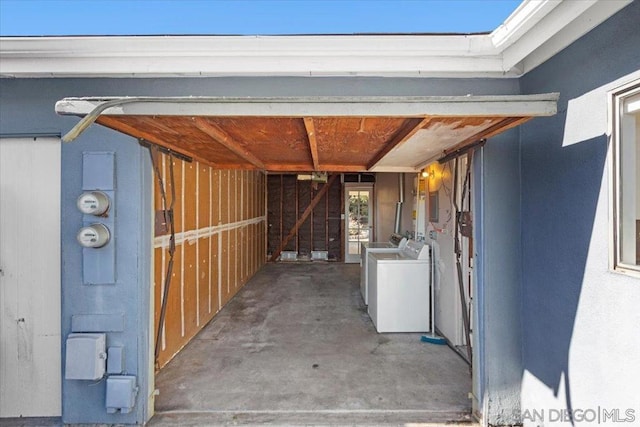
580, 338
498, 276
27, 107
85, 401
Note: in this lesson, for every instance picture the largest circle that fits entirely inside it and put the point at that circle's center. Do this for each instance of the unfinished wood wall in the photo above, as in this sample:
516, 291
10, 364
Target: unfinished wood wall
220, 227
322, 231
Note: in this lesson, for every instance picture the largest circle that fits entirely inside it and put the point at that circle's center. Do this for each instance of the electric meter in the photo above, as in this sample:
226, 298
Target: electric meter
93, 203
94, 236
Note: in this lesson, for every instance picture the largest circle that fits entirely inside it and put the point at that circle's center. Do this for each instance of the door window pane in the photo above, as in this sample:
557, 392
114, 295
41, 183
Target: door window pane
358, 228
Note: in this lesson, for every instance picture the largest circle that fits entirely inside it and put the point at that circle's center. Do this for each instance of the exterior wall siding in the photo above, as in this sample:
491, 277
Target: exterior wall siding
498, 294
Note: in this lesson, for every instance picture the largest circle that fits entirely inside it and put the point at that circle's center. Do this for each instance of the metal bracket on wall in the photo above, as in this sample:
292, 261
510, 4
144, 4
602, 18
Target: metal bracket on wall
165, 150
461, 151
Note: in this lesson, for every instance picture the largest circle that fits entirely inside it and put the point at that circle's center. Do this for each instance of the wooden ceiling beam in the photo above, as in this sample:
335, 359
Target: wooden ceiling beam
313, 144
404, 133
157, 122
224, 139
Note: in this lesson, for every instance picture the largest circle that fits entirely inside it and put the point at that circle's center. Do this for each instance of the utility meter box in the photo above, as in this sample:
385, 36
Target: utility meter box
121, 393
85, 356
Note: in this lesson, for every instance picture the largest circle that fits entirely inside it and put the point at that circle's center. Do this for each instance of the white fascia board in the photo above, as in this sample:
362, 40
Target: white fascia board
526, 15
391, 65
503, 105
187, 46
535, 31
393, 55
567, 14
572, 32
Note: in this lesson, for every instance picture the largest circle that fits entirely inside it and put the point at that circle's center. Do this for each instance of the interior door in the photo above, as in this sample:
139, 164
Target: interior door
30, 377
358, 219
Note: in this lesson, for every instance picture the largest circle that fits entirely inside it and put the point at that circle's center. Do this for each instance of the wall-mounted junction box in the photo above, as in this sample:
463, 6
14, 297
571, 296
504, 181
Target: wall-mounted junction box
85, 356
115, 360
121, 393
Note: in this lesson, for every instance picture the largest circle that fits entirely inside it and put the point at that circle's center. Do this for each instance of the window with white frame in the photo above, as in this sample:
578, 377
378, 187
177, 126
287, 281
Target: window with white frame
626, 177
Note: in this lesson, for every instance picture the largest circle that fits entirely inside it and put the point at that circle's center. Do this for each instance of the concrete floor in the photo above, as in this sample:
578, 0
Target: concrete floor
296, 346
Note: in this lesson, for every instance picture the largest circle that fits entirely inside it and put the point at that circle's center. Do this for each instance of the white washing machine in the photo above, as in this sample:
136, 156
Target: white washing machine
399, 289
395, 244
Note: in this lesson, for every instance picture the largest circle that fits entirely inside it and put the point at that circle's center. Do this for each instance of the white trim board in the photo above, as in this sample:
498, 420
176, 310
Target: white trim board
514, 48
320, 106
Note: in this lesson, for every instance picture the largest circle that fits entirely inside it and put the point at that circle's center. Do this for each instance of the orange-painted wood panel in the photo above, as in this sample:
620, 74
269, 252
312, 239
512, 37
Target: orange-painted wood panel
233, 266
233, 196
224, 197
245, 195
240, 257
177, 192
215, 281
174, 339
190, 195
190, 304
215, 197
251, 194
204, 281
224, 267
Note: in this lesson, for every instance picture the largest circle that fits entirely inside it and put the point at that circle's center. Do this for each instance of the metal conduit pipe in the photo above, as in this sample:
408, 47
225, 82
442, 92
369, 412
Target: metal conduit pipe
398, 220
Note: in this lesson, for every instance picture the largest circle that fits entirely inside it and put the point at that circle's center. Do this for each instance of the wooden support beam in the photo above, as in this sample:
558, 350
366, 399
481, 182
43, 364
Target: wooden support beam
223, 138
313, 144
407, 131
304, 216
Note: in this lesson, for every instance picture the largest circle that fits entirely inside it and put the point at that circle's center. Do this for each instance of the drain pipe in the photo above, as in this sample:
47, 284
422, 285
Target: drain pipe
398, 222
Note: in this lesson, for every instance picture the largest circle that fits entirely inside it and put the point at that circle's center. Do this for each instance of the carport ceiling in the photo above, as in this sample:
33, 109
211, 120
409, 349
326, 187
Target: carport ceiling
311, 134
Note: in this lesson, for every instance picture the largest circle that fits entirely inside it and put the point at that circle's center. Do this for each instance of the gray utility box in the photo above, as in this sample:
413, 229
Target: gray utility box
121, 393
85, 356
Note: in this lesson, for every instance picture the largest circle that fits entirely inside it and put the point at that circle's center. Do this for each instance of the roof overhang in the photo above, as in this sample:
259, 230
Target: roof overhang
339, 134
533, 33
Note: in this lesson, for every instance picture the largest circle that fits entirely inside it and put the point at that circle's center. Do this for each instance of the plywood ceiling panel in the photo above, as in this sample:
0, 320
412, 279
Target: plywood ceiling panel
275, 140
430, 142
177, 133
340, 144
353, 141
